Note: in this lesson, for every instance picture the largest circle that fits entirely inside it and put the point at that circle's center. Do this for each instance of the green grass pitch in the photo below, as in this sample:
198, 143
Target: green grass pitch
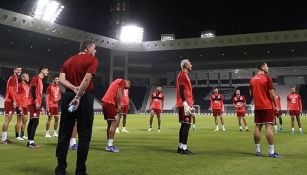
148, 153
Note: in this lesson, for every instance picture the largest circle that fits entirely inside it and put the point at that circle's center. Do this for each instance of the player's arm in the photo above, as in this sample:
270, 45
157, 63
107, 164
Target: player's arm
13, 94
84, 84
151, 98
273, 98
66, 83
33, 94
47, 98
222, 103
119, 99
288, 105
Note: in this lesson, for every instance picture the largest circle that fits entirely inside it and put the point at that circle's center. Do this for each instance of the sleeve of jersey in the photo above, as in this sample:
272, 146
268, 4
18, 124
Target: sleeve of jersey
269, 83
93, 67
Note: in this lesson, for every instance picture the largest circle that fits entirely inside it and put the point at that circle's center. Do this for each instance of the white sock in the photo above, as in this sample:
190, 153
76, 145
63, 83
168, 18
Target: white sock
275, 126
110, 142
4, 136
271, 149
258, 148
246, 127
31, 141
180, 145
301, 129
193, 125
55, 131
184, 146
223, 127
72, 141
217, 126
124, 128
241, 127
292, 129
47, 132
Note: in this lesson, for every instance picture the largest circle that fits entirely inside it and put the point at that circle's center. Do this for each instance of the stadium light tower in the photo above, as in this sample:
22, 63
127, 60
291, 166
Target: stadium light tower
131, 34
47, 10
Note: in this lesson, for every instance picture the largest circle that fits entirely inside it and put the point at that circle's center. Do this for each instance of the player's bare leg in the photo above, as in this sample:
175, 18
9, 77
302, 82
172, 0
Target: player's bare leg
47, 135
270, 138
194, 121
23, 126
222, 122
298, 119
257, 136
17, 127
118, 122
5, 126
73, 140
245, 123
292, 124
216, 123
55, 126
240, 123
159, 122
152, 114
110, 135
124, 123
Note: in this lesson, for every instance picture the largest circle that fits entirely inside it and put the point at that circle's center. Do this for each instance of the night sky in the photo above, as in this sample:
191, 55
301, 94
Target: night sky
186, 19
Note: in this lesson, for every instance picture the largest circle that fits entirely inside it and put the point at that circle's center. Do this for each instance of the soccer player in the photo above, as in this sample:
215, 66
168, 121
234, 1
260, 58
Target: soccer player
294, 107
34, 107
261, 88
76, 76
278, 114
125, 109
53, 96
217, 106
156, 106
185, 101
23, 93
111, 106
10, 103
239, 103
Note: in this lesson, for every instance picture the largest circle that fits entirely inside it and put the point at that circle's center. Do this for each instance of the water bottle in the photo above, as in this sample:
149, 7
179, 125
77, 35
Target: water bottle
71, 108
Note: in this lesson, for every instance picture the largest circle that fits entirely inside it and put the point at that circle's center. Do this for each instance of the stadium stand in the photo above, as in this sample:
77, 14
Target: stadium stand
137, 94
199, 94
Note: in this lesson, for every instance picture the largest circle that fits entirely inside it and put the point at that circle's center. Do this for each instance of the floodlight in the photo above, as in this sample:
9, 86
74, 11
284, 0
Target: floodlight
207, 34
131, 33
47, 10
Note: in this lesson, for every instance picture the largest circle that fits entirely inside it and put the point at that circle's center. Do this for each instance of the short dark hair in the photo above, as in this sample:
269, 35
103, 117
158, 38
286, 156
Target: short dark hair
85, 44
260, 66
41, 68
55, 76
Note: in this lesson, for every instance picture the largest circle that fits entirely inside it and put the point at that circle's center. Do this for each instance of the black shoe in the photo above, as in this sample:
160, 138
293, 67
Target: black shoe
179, 150
185, 151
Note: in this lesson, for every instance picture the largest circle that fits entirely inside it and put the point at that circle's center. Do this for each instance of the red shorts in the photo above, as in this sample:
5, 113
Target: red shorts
240, 113
263, 116
182, 117
34, 113
23, 111
109, 111
8, 108
278, 114
125, 109
293, 113
157, 111
53, 111
217, 112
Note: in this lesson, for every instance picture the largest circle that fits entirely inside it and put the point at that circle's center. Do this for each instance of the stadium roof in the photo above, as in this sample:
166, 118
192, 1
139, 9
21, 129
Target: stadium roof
186, 19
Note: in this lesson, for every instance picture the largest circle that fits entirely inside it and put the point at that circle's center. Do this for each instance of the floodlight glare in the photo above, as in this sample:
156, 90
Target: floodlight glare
131, 33
207, 34
47, 10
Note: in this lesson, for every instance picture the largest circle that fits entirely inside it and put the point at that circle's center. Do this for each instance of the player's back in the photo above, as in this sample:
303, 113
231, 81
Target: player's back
260, 85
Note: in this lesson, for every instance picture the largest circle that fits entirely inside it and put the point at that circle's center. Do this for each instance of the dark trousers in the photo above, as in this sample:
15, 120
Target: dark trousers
84, 116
